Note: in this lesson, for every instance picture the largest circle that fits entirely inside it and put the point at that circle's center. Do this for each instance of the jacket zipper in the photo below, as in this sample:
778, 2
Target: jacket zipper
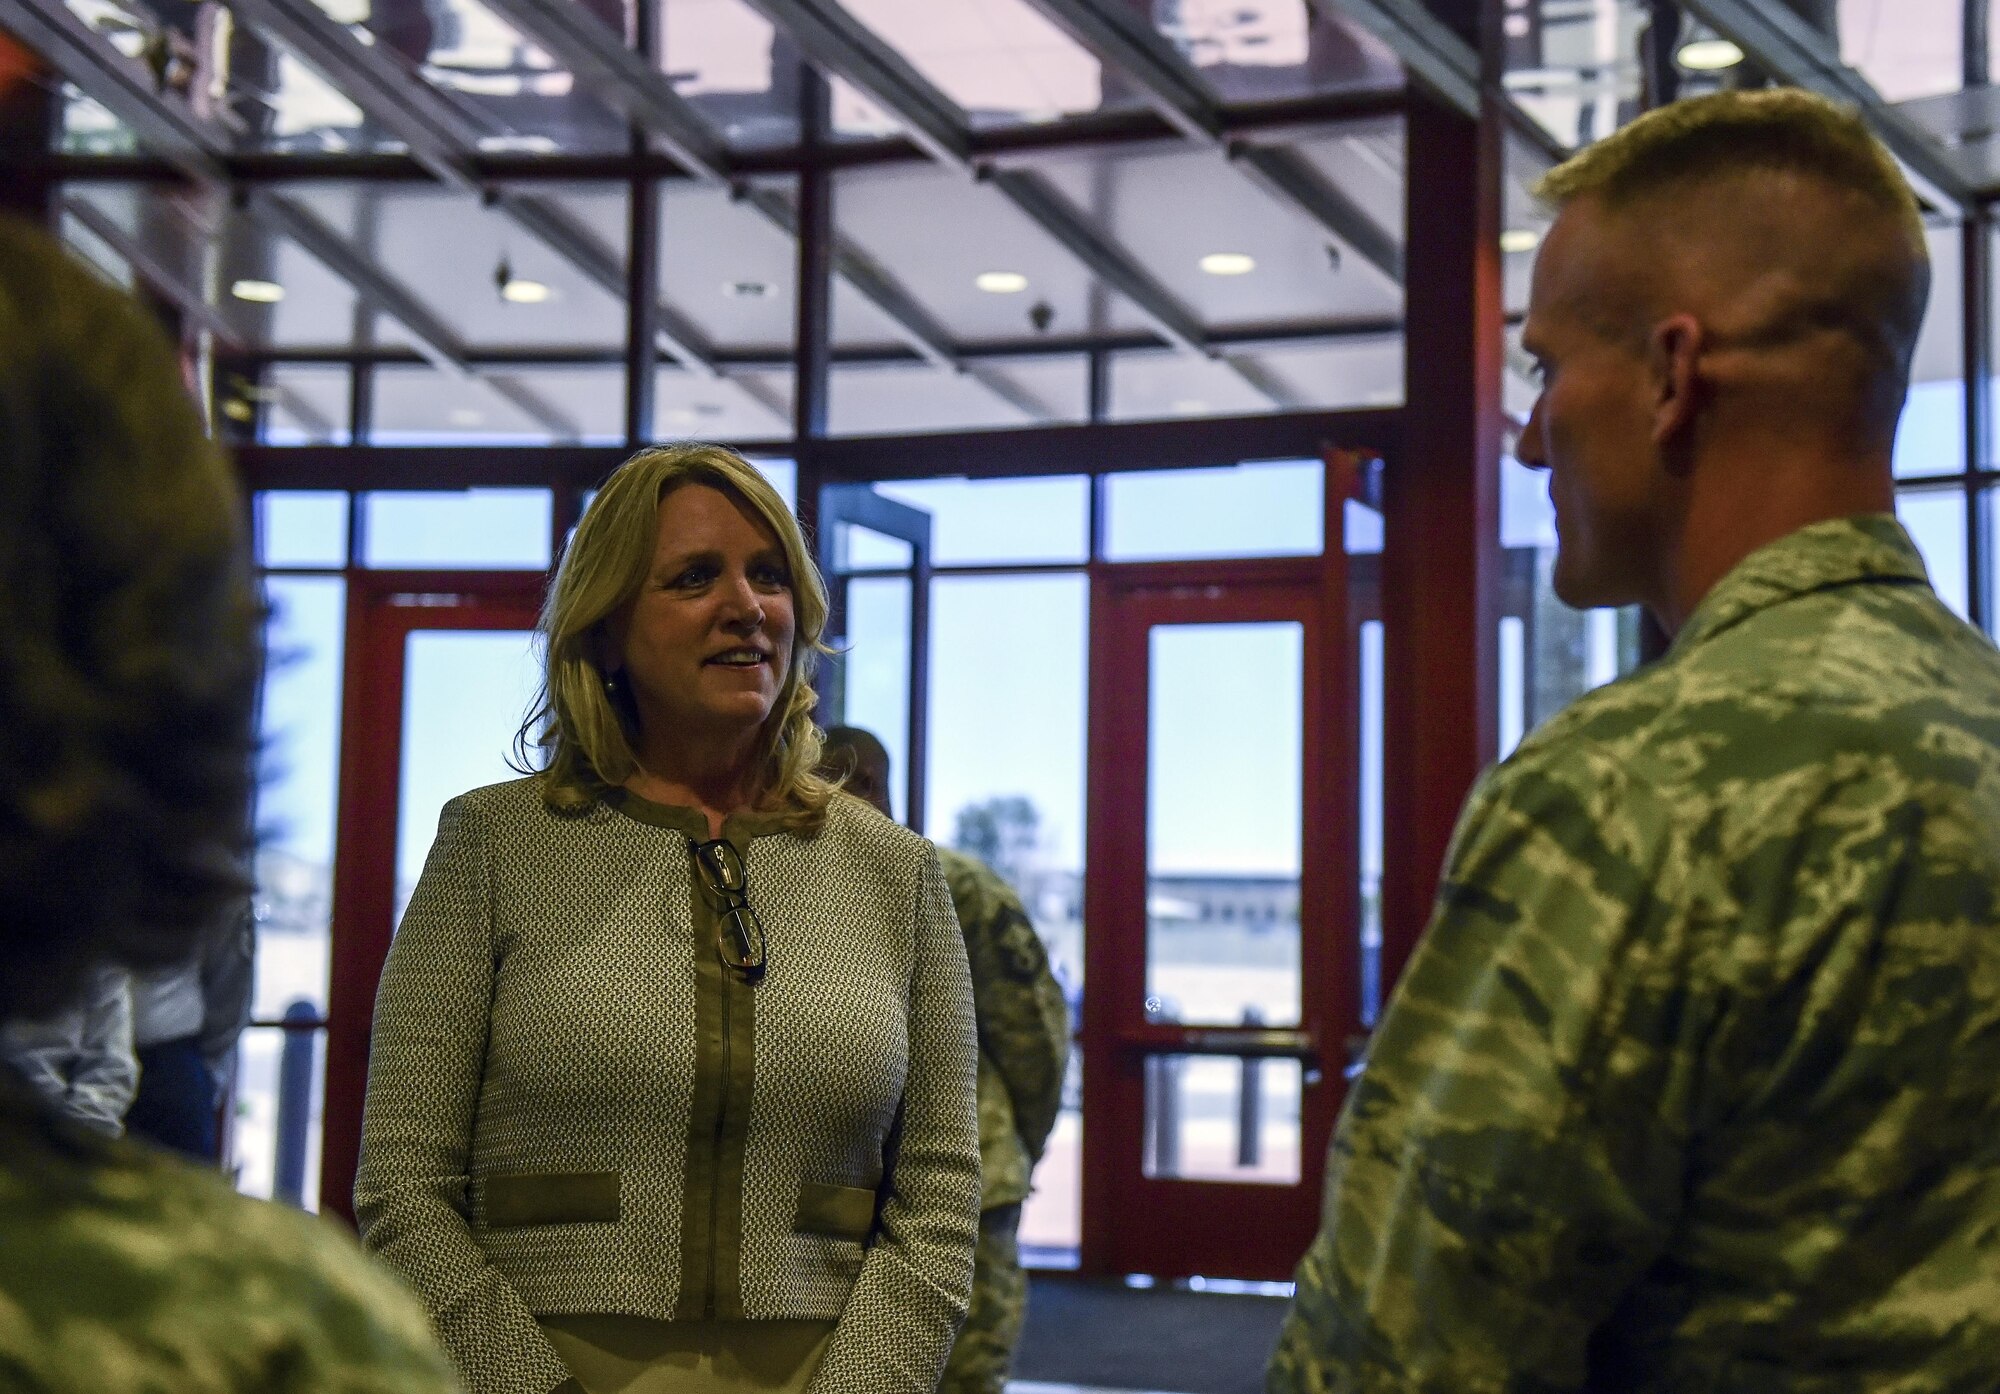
715, 1143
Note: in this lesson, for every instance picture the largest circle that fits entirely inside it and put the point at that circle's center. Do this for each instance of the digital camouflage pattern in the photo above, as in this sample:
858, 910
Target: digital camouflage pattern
1694, 1082
985, 1349
125, 1271
1023, 1049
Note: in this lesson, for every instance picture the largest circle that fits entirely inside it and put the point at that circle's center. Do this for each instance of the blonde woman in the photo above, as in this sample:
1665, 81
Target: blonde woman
671, 1086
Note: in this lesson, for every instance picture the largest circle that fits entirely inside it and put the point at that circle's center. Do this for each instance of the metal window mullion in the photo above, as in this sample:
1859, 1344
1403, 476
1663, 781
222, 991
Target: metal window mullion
1976, 314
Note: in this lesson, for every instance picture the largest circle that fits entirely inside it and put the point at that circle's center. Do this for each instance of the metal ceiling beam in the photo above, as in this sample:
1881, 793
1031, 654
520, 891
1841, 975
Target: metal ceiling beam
614, 73
1427, 47
923, 333
838, 43
552, 224
1795, 52
833, 40
1174, 88
154, 271
440, 137
123, 86
588, 48
1140, 53
1293, 179
446, 142
434, 338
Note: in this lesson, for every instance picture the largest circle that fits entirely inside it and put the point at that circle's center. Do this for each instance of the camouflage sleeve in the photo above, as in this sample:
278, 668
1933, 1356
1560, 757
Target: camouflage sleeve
425, 1062
1023, 1020
1511, 1156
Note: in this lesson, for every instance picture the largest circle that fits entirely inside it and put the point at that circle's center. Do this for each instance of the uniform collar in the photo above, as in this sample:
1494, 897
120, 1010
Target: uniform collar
1839, 552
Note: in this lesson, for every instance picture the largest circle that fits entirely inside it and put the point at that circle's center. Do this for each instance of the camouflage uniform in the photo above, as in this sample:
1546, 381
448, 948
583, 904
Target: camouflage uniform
1694, 1083
1023, 1047
123, 1271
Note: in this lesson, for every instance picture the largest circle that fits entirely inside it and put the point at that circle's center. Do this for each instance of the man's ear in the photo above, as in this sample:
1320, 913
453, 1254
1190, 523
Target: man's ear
1673, 358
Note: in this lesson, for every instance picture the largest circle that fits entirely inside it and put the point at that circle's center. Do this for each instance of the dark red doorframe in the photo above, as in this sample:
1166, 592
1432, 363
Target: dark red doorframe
383, 609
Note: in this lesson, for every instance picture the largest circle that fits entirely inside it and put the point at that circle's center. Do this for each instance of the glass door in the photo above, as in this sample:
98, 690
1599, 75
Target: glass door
1222, 950
440, 672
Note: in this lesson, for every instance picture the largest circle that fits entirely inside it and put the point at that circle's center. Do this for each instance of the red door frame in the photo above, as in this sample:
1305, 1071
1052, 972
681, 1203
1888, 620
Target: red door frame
383, 609
1175, 1228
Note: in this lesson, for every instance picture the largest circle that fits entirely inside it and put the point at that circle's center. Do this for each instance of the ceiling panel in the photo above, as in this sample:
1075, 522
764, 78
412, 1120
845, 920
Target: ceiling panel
936, 232
1169, 207
727, 268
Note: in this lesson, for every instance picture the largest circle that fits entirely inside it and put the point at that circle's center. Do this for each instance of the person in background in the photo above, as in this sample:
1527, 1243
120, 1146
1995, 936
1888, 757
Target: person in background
81, 1058
185, 1024
1024, 1035
129, 659
1694, 1081
672, 1078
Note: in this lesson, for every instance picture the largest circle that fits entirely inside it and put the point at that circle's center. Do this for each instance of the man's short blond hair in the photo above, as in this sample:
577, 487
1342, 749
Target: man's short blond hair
1696, 173
1704, 139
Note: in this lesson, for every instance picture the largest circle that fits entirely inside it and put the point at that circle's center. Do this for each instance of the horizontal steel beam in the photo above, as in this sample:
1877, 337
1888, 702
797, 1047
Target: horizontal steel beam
1083, 134
1292, 179
123, 86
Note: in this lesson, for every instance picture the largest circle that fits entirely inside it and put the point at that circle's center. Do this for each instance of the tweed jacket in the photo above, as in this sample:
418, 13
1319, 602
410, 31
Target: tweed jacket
575, 1107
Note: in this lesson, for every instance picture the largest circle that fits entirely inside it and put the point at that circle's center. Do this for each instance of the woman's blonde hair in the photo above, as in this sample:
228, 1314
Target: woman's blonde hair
584, 731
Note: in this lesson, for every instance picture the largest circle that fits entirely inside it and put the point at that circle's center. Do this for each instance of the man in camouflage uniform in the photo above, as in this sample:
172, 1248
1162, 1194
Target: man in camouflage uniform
1023, 1048
129, 657
1694, 1082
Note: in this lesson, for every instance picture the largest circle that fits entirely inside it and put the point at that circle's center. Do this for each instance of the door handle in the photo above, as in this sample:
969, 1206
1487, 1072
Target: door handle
1263, 1042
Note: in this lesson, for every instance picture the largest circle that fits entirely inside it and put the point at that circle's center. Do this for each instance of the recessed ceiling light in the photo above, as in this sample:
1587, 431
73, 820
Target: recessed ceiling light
258, 292
521, 291
749, 290
1000, 282
466, 416
1708, 55
1520, 239
1228, 264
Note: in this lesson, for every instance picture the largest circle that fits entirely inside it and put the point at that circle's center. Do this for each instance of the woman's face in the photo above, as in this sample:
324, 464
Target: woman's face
705, 645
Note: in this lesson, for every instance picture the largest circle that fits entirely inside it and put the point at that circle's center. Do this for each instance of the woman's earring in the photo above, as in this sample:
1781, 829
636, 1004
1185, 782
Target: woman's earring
610, 684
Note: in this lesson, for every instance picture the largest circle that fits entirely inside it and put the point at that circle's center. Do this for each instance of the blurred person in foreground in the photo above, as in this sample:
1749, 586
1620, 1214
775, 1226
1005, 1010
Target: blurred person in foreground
1023, 1048
1694, 1082
671, 1084
128, 662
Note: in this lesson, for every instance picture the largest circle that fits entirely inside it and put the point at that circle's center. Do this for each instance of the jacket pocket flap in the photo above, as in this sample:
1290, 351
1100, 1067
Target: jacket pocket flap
550, 1198
840, 1212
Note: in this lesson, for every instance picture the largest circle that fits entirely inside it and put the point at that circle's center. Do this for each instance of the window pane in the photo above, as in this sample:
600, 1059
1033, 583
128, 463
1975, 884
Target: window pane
465, 694
1005, 781
1052, 1216
875, 673
1370, 668
1268, 509
1005, 774
976, 521
1936, 521
298, 768
299, 527
1223, 824
1216, 1118
1930, 439
783, 475
275, 1128
856, 548
476, 528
